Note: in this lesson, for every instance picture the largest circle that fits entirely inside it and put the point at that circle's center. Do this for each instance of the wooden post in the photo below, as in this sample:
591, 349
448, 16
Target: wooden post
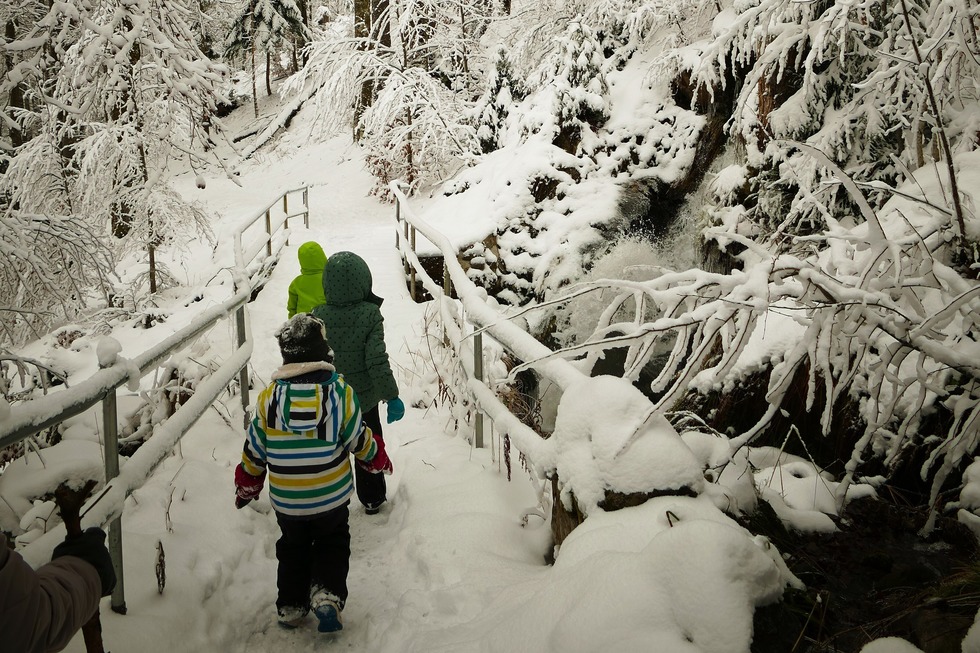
447, 282
478, 374
114, 539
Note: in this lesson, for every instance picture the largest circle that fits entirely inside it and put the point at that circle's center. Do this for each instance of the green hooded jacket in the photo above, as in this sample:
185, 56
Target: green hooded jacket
306, 290
355, 329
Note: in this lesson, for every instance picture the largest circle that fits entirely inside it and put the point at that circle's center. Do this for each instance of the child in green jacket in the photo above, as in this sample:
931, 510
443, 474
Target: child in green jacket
306, 290
355, 332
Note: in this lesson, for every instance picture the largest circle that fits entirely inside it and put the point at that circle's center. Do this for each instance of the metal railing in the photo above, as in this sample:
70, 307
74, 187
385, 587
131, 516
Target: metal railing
250, 272
248, 254
478, 317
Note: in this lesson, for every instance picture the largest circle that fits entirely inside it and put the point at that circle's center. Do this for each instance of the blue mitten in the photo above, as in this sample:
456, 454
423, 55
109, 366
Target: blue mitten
396, 410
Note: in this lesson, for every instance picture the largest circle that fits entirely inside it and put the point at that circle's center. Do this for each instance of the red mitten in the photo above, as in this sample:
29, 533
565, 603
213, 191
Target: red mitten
380, 464
247, 487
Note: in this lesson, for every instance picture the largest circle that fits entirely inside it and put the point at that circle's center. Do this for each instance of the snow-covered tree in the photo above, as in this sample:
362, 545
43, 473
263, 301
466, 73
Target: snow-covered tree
501, 91
580, 87
112, 93
263, 25
419, 131
879, 87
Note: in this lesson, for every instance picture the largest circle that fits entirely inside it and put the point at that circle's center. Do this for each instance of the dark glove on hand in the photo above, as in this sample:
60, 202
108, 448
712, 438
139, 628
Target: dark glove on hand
90, 547
380, 464
396, 410
247, 487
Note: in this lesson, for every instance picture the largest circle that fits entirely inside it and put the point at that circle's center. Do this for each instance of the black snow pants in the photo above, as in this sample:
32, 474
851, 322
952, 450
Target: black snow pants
313, 554
371, 488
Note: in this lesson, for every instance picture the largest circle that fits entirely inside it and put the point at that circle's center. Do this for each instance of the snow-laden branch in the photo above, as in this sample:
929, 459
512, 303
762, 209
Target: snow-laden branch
586, 446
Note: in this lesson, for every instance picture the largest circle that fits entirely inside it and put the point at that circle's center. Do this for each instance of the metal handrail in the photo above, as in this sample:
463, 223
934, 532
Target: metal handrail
32, 417
481, 317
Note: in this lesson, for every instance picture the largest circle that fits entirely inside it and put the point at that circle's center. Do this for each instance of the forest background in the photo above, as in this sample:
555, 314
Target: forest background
766, 207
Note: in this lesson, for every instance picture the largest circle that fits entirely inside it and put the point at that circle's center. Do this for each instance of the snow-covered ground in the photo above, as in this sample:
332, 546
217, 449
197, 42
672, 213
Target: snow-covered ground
447, 565
444, 546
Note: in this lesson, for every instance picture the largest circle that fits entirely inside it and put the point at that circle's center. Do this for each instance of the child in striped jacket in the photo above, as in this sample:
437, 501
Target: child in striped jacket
306, 425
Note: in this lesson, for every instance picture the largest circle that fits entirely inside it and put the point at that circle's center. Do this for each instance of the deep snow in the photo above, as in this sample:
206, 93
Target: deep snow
448, 564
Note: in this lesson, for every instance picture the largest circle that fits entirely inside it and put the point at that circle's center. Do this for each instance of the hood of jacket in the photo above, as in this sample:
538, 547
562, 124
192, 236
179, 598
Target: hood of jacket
311, 258
347, 280
298, 407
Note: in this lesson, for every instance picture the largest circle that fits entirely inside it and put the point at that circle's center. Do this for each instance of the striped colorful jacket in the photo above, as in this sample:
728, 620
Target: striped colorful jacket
303, 432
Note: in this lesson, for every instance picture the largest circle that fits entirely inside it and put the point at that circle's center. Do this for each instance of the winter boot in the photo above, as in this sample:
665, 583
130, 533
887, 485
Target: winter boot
373, 508
291, 617
327, 610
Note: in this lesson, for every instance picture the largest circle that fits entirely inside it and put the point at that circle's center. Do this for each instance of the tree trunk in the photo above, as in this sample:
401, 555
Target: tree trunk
268, 73
409, 151
418, 35
152, 251
16, 97
371, 22
304, 11
255, 92
381, 21
362, 29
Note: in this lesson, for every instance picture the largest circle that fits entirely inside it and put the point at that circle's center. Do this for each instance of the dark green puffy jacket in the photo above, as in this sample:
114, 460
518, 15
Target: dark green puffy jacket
306, 290
355, 329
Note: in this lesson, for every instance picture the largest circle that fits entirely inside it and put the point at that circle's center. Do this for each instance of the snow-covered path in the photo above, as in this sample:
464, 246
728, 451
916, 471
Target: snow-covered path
446, 542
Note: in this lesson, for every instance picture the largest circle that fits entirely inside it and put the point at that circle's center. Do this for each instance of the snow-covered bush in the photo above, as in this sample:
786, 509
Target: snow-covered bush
881, 318
880, 88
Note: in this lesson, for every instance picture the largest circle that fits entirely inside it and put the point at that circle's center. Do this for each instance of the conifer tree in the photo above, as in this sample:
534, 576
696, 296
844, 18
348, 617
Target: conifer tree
503, 90
857, 89
580, 87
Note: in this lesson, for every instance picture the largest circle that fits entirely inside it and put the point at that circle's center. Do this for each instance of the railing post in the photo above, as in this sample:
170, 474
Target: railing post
398, 220
412, 286
478, 374
306, 206
405, 233
243, 373
268, 230
285, 212
111, 447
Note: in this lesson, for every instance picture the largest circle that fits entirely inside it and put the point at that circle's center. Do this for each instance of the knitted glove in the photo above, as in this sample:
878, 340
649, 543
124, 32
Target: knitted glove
247, 487
396, 410
380, 464
90, 547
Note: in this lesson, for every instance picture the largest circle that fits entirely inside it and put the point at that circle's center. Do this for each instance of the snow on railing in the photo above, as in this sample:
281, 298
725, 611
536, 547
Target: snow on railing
481, 317
24, 420
598, 418
247, 255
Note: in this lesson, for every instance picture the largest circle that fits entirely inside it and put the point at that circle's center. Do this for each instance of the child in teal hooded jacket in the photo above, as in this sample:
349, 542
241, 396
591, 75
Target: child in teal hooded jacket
351, 314
306, 290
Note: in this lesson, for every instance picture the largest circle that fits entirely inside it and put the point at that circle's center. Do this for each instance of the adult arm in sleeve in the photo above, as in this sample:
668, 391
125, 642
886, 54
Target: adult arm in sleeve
41, 610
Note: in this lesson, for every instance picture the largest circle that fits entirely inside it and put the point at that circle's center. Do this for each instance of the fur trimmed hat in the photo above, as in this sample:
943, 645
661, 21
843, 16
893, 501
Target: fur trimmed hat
303, 339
